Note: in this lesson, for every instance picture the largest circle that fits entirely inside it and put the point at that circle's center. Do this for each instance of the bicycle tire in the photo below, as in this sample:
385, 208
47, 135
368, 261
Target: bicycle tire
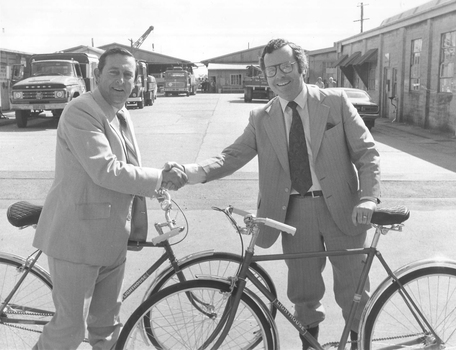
32, 303
218, 264
390, 323
173, 322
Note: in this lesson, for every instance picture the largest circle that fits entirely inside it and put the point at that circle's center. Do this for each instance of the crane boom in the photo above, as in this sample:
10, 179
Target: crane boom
143, 37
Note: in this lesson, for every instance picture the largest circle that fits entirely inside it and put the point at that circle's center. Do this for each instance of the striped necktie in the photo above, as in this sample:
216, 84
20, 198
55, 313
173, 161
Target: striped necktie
298, 157
132, 157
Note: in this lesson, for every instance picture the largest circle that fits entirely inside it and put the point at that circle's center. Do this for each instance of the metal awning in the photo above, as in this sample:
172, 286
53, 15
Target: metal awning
339, 60
349, 61
369, 56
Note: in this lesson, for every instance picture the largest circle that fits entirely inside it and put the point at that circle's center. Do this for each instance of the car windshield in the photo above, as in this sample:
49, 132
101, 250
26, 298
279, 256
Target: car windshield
359, 95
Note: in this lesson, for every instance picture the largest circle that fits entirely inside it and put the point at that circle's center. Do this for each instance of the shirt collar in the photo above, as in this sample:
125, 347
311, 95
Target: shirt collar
301, 99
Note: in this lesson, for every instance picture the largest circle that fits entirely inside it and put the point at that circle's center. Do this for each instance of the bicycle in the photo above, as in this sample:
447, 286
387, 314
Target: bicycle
25, 287
414, 307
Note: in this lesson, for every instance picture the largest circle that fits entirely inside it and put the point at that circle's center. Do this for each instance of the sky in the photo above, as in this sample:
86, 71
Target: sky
191, 30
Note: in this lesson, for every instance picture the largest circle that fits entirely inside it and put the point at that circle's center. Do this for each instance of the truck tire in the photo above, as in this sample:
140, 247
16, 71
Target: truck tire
248, 95
141, 103
21, 118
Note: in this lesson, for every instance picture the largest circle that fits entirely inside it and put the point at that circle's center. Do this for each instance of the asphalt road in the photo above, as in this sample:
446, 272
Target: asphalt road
418, 170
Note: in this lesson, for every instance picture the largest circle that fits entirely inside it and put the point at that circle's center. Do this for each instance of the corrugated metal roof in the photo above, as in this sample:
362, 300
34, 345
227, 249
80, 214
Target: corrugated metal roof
222, 66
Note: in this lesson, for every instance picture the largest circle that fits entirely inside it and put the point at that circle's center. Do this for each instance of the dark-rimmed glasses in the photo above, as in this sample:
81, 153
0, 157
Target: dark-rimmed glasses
285, 67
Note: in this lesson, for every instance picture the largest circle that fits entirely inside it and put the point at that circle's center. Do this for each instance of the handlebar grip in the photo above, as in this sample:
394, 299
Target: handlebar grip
165, 236
280, 226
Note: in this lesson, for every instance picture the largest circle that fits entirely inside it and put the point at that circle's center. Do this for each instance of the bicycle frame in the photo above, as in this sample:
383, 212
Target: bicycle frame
371, 253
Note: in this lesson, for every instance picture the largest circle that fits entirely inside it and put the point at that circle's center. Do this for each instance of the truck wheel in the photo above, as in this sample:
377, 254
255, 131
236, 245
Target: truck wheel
141, 103
248, 95
56, 113
21, 118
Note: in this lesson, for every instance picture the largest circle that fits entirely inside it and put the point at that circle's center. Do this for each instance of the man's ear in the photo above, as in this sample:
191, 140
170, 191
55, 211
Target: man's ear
96, 72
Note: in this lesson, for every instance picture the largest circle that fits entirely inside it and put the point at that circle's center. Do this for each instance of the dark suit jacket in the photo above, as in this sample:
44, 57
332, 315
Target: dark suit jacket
86, 214
346, 160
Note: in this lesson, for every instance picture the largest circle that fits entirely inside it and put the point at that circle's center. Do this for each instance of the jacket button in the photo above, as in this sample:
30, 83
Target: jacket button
284, 207
287, 189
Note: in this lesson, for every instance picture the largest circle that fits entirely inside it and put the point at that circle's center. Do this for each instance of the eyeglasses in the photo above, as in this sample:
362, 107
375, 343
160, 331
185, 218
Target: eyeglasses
285, 67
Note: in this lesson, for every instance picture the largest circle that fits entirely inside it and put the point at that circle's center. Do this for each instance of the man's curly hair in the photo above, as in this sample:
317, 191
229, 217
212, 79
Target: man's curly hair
298, 53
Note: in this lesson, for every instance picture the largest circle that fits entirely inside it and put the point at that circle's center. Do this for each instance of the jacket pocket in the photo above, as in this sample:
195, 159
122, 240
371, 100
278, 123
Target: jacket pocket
94, 211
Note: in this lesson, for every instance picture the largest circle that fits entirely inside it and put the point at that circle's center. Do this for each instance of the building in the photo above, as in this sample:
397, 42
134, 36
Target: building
226, 73
407, 65
157, 63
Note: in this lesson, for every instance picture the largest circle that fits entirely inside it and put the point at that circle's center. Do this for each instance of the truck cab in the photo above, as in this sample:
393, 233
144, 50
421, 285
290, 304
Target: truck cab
55, 79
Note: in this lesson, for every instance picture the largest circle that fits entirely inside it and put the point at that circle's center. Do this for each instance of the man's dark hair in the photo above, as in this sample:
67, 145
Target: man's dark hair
276, 44
115, 51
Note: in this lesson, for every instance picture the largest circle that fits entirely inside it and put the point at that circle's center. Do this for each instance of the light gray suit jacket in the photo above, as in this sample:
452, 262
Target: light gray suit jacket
86, 214
346, 160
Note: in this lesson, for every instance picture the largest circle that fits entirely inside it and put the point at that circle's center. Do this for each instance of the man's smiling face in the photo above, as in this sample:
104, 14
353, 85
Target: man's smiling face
117, 79
286, 85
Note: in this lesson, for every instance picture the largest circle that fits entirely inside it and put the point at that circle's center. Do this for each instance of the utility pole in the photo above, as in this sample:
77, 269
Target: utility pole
362, 16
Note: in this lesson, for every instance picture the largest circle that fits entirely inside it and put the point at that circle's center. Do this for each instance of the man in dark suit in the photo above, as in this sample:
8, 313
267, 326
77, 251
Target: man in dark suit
96, 200
329, 193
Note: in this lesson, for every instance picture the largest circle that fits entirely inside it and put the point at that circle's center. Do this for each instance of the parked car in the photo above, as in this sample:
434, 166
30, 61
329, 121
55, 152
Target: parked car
367, 108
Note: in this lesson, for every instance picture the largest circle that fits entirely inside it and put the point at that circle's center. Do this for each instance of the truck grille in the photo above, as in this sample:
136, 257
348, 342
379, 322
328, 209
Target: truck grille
38, 95
175, 85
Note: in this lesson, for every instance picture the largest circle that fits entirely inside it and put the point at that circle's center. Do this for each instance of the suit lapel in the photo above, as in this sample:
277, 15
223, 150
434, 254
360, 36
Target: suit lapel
275, 128
318, 115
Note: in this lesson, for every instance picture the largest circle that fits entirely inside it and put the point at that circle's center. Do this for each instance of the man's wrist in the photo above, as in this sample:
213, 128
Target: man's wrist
371, 199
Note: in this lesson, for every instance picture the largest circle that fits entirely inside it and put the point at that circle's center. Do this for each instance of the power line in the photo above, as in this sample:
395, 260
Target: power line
362, 19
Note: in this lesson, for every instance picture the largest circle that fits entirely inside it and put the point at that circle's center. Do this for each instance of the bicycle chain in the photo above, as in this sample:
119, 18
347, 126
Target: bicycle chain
336, 344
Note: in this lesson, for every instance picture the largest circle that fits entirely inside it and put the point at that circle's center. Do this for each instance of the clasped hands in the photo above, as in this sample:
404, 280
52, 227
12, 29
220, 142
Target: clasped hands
173, 176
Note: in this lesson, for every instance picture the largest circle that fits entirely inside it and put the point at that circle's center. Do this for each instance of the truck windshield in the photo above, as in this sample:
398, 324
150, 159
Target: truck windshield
52, 68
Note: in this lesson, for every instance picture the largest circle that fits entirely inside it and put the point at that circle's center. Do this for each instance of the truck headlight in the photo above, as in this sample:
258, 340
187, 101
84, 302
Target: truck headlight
17, 95
59, 94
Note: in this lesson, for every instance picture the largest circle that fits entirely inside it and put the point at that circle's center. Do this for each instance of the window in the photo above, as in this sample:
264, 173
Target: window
447, 81
415, 73
235, 79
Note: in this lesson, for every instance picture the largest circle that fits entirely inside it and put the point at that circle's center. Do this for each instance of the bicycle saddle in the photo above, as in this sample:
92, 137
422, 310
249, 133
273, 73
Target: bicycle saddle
22, 214
390, 216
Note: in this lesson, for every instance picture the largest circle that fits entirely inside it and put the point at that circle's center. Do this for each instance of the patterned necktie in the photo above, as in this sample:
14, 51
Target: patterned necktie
132, 157
298, 158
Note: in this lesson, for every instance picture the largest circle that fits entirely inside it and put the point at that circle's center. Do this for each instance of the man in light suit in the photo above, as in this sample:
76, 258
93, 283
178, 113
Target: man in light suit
89, 212
334, 209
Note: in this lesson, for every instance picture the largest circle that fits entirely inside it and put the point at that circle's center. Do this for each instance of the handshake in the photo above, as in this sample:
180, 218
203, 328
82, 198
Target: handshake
173, 176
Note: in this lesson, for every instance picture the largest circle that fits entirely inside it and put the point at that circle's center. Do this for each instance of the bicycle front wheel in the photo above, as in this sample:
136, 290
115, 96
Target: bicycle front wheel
185, 315
222, 265
23, 318
392, 324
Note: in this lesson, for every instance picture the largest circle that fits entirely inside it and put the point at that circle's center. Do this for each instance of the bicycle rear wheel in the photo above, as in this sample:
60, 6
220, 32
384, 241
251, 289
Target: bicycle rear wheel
183, 316
22, 320
218, 264
391, 324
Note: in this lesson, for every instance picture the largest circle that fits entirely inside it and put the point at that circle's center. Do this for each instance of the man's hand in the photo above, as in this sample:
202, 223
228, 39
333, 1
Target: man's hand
362, 213
173, 178
170, 165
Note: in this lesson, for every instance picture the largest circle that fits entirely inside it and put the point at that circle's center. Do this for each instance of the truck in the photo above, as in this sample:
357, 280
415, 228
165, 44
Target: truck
255, 85
52, 81
179, 81
145, 91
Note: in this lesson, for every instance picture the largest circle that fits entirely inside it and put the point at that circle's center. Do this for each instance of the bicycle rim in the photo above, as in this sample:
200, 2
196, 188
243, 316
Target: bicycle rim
219, 265
171, 320
31, 303
391, 324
